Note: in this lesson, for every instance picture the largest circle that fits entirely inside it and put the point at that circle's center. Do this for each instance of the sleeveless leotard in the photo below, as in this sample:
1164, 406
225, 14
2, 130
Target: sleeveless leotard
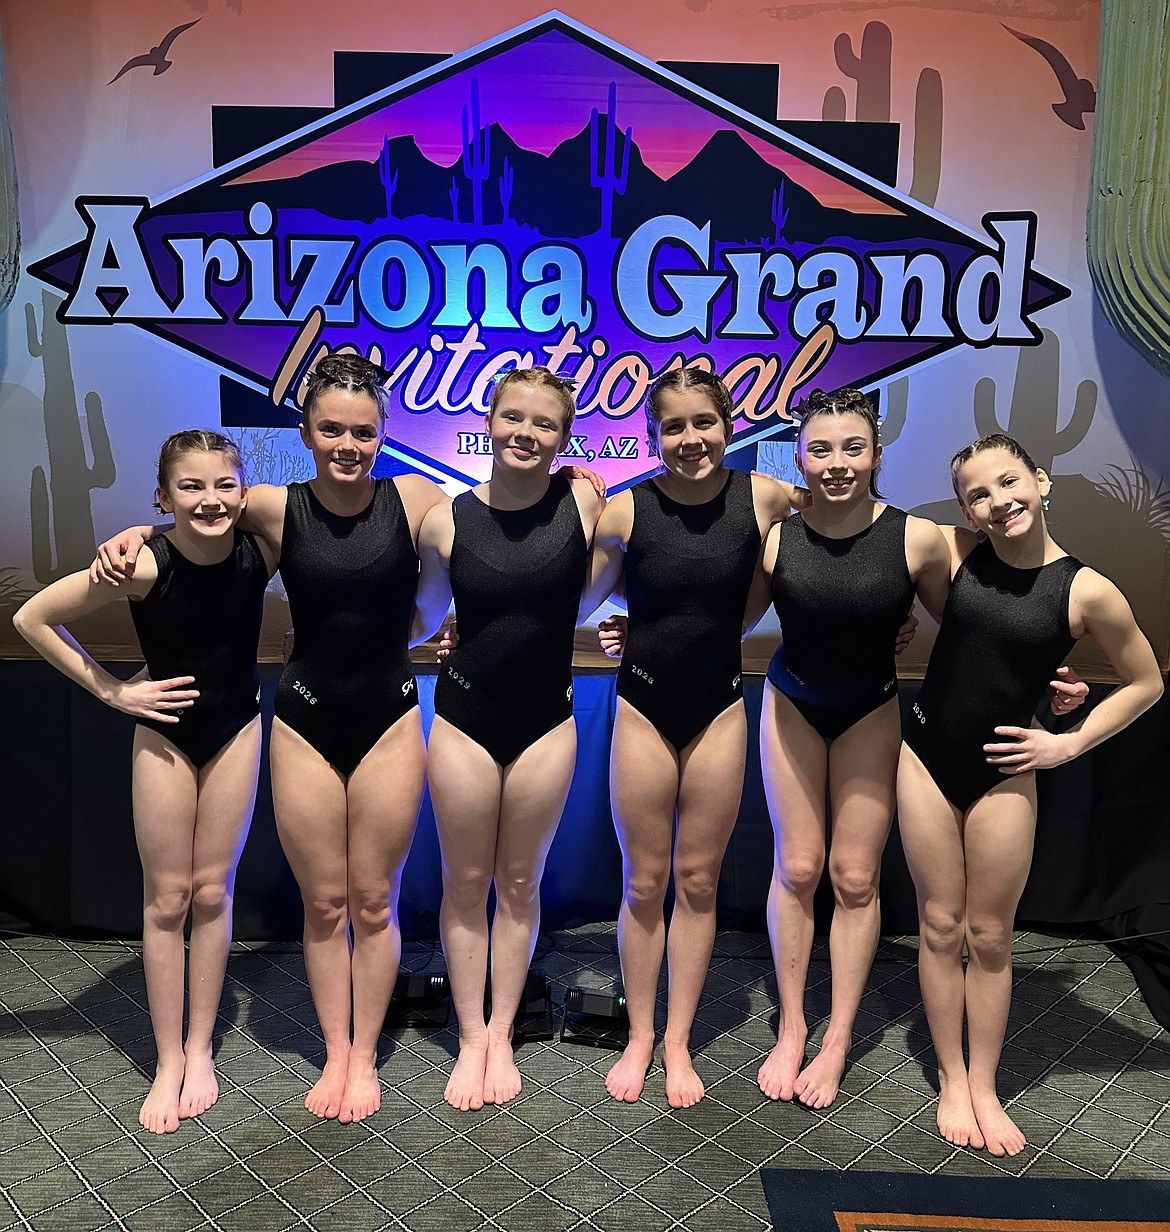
204, 621
351, 583
688, 572
1004, 633
841, 603
516, 578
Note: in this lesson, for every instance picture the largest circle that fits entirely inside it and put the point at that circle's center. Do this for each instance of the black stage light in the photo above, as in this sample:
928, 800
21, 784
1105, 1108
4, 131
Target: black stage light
533, 1019
598, 1019
534, 1015
419, 1001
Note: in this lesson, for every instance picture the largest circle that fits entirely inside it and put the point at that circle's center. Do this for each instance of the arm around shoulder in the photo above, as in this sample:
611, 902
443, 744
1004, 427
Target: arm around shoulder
432, 599
607, 556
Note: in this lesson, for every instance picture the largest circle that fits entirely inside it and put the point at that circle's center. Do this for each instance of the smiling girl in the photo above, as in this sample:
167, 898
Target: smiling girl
688, 541
512, 552
966, 783
196, 603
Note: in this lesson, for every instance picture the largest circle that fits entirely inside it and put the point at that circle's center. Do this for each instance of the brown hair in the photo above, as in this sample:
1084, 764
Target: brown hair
844, 401
196, 440
685, 378
560, 387
344, 370
994, 440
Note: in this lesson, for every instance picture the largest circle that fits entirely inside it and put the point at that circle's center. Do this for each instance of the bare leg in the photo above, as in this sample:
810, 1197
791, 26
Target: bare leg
932, 837
381, 827
710, 787
165, 791
862, 768
998, 838
536, 786
794, 760
227, 794
465, 787
643, 786
308, 797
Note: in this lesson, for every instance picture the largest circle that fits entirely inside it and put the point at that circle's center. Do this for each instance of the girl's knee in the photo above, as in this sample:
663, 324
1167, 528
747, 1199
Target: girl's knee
519, 892
855, 885
166, 906
696, 886
466, 889
210, 898
326, 911
942, 929
989, 940
645, 889
799, 872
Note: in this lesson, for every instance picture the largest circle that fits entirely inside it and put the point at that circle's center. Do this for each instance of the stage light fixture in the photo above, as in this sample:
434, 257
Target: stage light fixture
595, 1018
419, 1000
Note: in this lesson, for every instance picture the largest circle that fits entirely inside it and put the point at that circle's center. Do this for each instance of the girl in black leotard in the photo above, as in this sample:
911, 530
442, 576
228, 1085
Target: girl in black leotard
502, 746
196, 601
688, 540
1017, 603
843, 575
347, 722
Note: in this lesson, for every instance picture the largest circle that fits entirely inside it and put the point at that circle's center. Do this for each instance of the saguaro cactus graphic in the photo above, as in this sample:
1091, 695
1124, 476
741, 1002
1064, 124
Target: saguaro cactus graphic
453, 193
506, 178
477, 153
1035, 409
62, 529
779, 213
603, 170
388, 176
871, 70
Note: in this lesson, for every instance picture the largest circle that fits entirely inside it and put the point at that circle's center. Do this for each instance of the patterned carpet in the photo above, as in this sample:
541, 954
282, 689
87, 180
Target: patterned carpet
1086, 1073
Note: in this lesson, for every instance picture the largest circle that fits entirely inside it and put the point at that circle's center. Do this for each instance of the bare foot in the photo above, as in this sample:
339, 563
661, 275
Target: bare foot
777, 1075
160, 1109
362, 1096
818, 1083
501, 1079
956, 1117
200, 1088
684, 1088
1002, 1135
324, 1100
465, 1086
627, 1077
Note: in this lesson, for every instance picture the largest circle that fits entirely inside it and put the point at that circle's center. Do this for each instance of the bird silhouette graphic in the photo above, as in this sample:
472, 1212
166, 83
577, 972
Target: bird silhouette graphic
1079, 94
156, 57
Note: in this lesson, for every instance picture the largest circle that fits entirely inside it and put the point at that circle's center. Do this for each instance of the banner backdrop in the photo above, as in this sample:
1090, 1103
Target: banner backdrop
213, 195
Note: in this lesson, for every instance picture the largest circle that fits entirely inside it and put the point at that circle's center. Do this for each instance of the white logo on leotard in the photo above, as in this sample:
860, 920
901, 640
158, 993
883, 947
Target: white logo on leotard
460, 680
735, 682
889, 684
300, 688
639, 672
918, 713
569, 694
406, 688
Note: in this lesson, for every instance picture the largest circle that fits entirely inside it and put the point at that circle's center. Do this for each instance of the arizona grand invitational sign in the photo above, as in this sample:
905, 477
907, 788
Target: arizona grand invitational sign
550, 197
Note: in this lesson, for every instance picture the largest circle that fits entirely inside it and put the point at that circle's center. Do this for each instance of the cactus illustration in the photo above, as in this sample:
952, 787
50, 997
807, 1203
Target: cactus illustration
779, 213
62, 522
477, 153
1035, 410
389, 178
872, 72
603, 172
870, 69
895, 400
506, 178
833, 108
928, 129
453, 193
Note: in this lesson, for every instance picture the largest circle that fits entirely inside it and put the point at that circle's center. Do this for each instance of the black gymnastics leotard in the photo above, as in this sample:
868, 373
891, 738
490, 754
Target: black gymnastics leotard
1004, 632
351, 583
840, 603
688, 572
516, 578
204, 621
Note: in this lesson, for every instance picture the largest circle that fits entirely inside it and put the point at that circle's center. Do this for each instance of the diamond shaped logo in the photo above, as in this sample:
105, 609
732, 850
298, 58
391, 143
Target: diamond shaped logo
548, 197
